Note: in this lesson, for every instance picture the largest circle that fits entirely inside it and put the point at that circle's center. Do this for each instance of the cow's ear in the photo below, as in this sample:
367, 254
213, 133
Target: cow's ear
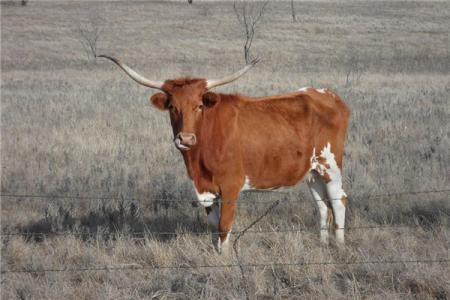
210, 99
159, 100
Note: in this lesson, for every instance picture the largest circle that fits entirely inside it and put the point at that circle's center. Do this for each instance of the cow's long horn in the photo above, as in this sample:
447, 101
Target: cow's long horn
232, 77
134, 75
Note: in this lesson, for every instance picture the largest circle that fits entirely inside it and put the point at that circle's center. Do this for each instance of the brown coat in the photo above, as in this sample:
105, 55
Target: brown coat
267, 141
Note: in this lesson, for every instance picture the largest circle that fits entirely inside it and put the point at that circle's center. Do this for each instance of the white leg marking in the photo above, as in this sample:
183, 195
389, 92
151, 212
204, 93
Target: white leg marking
213, 223
206, 199
319, 193
223, 246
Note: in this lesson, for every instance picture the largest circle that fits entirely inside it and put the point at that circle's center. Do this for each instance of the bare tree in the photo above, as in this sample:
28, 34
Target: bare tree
249, 14
88, 35
293, 11
354, 67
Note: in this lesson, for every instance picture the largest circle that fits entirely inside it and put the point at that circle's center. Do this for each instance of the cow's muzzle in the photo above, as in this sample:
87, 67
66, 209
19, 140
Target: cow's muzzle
184, 141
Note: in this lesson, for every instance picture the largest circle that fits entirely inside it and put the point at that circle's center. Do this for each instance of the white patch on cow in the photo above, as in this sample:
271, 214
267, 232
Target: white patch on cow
322, 91
206, 199
247, 185
333, 171
303, 89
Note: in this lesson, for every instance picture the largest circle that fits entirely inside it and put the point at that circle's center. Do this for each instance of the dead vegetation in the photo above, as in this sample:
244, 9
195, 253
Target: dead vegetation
249, 15
81, 129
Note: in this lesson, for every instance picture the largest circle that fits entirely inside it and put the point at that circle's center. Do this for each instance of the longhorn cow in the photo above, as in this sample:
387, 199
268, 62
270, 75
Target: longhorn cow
231, 143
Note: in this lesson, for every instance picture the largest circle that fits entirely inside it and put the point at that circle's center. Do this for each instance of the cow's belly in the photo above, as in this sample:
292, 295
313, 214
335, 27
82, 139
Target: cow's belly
284, 169
249, 187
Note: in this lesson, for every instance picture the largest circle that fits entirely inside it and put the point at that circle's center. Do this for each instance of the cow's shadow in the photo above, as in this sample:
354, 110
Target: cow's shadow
110, 221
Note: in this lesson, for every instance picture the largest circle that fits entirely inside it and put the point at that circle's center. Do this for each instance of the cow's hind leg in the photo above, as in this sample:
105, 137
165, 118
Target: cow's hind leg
319, 192
338, 202
330, 172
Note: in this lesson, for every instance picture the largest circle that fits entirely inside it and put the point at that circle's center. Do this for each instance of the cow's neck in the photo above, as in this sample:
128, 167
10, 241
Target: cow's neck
191, 159
200, 159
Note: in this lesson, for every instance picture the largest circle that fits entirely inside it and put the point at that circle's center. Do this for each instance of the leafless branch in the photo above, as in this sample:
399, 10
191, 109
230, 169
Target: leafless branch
354, 68
249, 15
88, 34
294, 19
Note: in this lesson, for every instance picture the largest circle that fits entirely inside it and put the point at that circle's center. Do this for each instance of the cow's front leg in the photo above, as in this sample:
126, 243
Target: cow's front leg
226, 219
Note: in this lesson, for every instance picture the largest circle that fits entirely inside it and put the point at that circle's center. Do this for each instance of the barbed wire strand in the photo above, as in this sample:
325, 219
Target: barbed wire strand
150, 233
34, 196
248, 265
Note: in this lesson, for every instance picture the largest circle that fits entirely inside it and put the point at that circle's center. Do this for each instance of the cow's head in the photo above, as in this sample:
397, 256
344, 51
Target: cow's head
186, 99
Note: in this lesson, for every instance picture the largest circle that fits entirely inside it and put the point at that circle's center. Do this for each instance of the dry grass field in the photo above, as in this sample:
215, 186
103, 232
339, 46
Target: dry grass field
74, 126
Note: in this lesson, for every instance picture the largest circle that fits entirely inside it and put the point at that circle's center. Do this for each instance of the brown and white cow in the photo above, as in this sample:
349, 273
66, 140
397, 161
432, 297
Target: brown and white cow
232, 142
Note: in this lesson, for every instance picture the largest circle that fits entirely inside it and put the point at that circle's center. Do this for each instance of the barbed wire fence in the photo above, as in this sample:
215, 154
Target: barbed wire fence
142, 235
146, 232
241, 265
77, 197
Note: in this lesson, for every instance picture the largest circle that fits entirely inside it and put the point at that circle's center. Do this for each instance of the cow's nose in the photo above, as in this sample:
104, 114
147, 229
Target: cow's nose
187, 139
